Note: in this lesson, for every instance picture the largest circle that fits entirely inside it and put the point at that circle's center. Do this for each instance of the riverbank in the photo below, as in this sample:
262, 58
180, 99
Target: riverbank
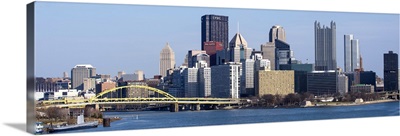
47, 122
319, 104
325, 104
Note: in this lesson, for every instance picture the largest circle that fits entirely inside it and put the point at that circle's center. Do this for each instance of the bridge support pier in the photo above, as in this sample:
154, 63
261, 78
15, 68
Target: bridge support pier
198, 107
174, 107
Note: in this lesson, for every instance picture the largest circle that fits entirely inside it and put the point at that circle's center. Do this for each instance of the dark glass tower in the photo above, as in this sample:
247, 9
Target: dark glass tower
390, 71
214, 28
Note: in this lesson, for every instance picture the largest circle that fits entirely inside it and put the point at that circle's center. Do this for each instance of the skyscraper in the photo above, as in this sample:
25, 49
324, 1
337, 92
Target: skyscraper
272, 49
225, 80
390, 71
283, 53
79, 73
277, 32
191, 82
238, 50
247, 78
268, 52
325, 47
351, 54
204, 79
214, 28
167, 60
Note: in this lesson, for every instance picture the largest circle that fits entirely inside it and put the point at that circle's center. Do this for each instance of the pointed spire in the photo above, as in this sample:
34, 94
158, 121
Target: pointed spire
167, 48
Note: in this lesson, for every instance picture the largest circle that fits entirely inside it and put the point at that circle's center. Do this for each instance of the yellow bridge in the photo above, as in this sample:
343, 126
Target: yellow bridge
159, 97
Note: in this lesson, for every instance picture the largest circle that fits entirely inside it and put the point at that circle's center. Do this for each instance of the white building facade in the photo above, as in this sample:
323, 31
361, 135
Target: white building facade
190, 82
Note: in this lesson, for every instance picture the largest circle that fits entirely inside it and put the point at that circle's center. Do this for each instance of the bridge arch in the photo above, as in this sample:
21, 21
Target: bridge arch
167, 95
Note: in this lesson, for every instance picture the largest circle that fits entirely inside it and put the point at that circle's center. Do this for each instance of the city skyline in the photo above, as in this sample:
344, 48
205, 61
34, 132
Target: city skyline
109, 35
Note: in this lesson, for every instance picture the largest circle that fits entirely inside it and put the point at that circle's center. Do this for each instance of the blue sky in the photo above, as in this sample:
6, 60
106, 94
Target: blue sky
130, 37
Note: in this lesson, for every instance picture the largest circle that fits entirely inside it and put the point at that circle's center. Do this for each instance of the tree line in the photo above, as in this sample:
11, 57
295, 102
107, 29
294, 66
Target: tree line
56, 114
295, 99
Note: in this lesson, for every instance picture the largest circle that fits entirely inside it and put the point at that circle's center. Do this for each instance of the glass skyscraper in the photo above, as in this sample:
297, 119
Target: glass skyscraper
390, 71
351, 53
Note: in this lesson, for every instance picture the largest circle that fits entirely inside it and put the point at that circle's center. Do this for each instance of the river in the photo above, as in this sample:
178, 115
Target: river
166, 119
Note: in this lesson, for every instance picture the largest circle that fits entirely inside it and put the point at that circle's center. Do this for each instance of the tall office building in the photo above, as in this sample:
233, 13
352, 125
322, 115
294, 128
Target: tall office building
204, 79
238, 50
167, 60
190, 82
325, 47
390, 71
194, 81
283, 53
79, 72
225, 83
268, 52
276, 49
214, 28
247, 79
277, 32
351, 54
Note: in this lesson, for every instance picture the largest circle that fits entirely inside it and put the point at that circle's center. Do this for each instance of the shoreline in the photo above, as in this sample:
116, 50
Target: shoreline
321, 104
335, 104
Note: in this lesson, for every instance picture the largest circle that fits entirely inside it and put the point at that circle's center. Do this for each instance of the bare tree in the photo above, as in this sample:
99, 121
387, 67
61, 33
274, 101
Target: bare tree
292, 99
55, 113
269, 99
307, 96
93, 113
278, 99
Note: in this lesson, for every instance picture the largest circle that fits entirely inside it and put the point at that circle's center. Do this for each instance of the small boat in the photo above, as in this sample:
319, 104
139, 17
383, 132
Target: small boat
39, 127
81, 124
